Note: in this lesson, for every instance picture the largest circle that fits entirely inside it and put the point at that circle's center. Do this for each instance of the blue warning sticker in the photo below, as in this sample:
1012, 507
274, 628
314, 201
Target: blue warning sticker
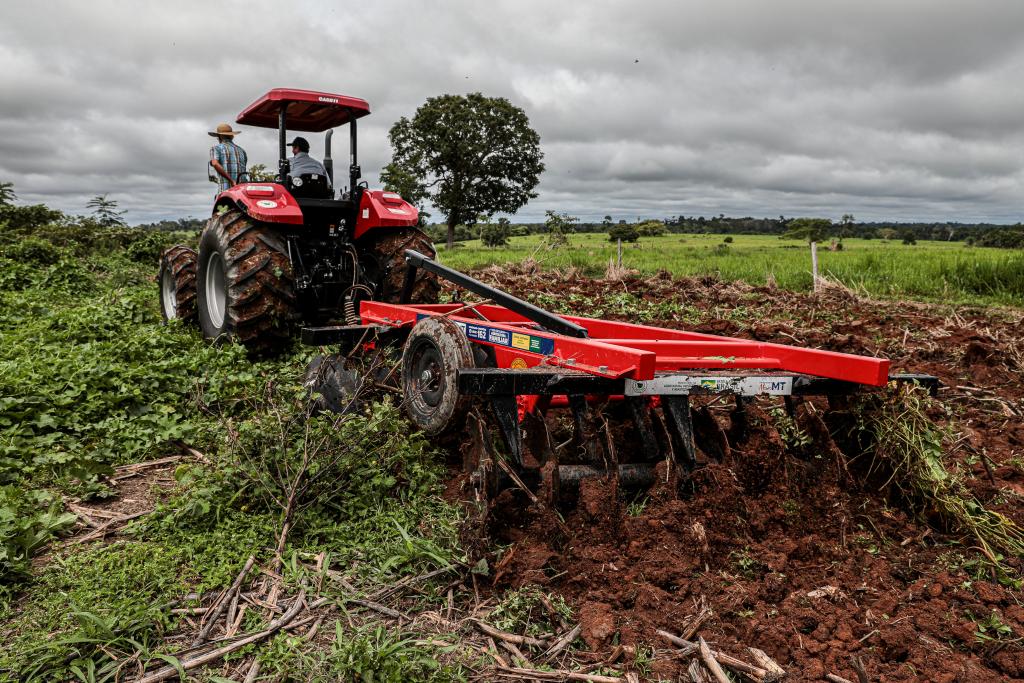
498, 337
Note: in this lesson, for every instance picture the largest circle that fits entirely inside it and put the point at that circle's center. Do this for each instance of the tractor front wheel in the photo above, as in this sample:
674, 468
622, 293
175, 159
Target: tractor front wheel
178, 284
245, 288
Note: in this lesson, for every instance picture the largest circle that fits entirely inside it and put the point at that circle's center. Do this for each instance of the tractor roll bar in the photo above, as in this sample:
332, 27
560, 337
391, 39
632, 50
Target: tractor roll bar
354, 172
328, 161
545, 319
282, 162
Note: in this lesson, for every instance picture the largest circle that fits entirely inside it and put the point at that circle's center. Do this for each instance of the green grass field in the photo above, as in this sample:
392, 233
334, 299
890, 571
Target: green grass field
949, 272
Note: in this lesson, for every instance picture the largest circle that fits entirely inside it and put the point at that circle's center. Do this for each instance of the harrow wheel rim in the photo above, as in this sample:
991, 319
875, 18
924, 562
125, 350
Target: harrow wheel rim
215, 284
428, 376
168, 290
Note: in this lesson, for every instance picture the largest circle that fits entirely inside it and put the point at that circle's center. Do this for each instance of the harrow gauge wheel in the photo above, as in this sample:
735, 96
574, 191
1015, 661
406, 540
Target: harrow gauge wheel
435, 350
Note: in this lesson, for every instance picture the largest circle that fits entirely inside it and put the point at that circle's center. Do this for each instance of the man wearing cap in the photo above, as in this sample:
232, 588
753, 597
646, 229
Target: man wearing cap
301, 163
227, 158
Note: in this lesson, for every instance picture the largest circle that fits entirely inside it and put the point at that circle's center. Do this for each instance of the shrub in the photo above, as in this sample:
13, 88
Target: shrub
728, 239
32, 251
651, 229
495, 234
625, 232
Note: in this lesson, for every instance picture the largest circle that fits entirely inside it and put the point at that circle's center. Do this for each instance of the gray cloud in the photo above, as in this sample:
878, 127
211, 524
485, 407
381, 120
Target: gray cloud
887, 110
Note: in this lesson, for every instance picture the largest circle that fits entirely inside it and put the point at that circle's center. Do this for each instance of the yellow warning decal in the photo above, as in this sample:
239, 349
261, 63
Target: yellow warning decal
521, 341
518, 363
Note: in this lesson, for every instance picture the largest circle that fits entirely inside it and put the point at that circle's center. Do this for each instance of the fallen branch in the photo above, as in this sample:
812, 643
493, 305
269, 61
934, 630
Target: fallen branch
767, 663
140, 466
837, 679
223, 602
688, 647
105, 528
711, 662
696, 672
406, 582
562, 643
702, 616
187, 664
509, 637
377, 607
537, 674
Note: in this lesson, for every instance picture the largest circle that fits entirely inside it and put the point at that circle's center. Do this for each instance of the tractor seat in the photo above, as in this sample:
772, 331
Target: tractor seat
312, 185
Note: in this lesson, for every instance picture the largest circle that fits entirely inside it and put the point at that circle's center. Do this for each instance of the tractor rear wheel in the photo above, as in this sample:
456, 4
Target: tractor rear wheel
245, 288
388, 252
178, 284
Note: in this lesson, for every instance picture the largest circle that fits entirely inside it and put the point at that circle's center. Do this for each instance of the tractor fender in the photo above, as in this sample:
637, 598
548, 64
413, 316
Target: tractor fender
381, 209
265, 202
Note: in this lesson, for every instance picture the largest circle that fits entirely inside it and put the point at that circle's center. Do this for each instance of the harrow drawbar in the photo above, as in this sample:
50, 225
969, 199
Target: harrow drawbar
546, 401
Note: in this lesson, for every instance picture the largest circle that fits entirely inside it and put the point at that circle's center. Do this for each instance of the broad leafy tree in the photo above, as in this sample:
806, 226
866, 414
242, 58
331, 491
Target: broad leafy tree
468, 155
808, 229
105, 211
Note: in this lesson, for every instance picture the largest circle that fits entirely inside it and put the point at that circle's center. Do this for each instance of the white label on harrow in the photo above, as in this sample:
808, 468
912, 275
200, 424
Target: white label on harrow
771, 385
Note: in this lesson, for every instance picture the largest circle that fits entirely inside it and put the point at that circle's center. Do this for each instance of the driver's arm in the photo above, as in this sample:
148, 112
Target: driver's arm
220, 169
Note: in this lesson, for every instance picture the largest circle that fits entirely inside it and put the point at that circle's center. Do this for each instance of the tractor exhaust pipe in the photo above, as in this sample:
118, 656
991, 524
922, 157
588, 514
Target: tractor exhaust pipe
328, 161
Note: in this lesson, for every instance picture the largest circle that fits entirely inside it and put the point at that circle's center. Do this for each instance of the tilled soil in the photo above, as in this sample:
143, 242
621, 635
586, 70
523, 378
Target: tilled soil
793, 551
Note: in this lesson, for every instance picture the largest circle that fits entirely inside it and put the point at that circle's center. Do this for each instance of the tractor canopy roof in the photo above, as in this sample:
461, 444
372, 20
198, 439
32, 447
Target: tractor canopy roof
308, 110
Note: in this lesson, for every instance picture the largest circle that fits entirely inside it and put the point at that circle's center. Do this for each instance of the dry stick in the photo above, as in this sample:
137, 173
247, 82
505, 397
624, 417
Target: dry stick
725, 660
558, 675
519, 658
406, 582
554, 613
562, 643
698, 621
493, 652
104, 528
766, 662
837, 679
254, 672
858, 667
205, 631
508, 637
696, 672
191, 451
275, 626
376, 607
710, 662
138, 466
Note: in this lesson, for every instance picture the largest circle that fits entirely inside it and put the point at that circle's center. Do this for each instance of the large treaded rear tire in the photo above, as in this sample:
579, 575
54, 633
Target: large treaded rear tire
388, 251
245, 288
177, 282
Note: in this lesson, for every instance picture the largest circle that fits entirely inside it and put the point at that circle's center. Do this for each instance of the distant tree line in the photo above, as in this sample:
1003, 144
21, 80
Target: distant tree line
629, 230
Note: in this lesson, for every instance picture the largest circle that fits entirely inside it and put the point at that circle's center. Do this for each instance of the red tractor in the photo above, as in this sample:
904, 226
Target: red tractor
295, 250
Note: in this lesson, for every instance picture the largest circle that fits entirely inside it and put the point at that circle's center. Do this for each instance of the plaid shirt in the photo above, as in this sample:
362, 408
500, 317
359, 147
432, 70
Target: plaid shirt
232, 158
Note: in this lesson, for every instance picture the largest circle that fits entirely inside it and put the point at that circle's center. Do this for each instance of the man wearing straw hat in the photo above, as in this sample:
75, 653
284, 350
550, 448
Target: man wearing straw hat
227, 158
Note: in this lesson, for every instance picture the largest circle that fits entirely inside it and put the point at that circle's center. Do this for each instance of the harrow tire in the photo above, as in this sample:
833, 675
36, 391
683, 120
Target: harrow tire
177, 282
435, 350
332, 388
245, 289
388, 251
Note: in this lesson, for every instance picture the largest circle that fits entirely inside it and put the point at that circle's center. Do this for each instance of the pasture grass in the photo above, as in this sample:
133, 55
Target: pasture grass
949, 272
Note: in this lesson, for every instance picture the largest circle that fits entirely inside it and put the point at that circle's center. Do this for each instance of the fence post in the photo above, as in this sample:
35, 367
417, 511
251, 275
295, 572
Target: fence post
814, 264
620, 253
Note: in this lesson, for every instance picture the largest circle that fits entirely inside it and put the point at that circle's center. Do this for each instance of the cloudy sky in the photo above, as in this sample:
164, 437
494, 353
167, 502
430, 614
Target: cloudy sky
908, 109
